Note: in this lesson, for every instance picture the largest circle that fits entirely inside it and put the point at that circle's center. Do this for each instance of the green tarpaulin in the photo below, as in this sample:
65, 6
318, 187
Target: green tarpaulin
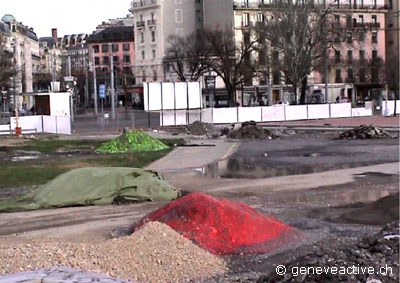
95, 186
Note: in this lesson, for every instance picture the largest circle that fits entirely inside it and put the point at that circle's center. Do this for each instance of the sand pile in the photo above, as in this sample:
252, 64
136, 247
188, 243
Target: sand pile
221, 226
132, 141
155, 253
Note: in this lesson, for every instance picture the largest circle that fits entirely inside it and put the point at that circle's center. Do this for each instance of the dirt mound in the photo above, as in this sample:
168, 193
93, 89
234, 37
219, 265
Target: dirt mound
250, 130
155, 253
347, 262
379, 212
132, 141
221, 226
198, 128
365, 132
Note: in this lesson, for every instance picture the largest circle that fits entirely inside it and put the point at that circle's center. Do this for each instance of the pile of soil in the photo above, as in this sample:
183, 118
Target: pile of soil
198, 128
365, 132
379, 212
132, 141
250, 130
379, 251
223, 227
155, 253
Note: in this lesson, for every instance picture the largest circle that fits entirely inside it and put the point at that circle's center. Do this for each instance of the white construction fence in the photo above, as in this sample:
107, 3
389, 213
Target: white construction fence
261, 114
38, 124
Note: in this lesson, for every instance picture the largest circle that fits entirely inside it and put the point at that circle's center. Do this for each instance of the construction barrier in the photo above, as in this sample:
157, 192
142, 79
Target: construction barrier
263, 114
38, 124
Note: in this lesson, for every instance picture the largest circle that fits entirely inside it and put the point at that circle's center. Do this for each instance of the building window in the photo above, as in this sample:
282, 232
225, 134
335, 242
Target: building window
154, 54
143, 76
155, 75
143, 55
153, 36
374, 20
178, 16
362, 75
374, 55
350, 75
337, 56
338, 77
349, 37
115, 47
141, 36
374, 37
127, 58
104, 48
362, 55
96, 61
350, 56
115, 59
96, 48
245, 19
106, 60
126, 47
374, 74
361, 36
276, 78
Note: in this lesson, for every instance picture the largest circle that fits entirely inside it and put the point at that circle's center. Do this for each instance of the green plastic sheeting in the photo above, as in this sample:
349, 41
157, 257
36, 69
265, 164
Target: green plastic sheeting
95, 186
132, 141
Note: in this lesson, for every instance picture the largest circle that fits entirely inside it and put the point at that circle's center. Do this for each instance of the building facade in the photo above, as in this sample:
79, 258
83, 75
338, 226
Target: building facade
355, 65
393, 47
25, 46
156, 20
118, 43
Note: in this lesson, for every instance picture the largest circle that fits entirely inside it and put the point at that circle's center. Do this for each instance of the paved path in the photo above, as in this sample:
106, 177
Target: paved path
194, 157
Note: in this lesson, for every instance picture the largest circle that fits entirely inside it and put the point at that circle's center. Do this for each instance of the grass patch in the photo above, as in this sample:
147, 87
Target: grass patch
40, 171
52, 145
36, 172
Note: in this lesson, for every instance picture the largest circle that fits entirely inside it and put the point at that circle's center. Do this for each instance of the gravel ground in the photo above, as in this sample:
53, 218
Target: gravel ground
155, 253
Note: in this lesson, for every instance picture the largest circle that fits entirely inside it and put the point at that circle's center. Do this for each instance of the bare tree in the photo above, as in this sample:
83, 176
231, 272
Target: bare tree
185, 56
299, 33
231, 59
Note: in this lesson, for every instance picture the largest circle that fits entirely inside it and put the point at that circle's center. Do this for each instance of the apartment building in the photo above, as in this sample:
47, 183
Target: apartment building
156, 20
25, 46
118, 43
393, 47
51, 60
355, 65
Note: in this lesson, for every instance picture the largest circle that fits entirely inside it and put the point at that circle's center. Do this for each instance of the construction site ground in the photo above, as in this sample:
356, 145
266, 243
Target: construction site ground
338, 174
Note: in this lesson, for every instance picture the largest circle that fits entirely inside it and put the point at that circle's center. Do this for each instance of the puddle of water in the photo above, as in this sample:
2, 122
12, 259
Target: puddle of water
24, 158
236, 168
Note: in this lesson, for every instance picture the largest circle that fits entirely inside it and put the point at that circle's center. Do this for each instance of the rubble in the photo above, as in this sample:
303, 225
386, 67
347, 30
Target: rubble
198, 128
378, 251
250, 130
365, 132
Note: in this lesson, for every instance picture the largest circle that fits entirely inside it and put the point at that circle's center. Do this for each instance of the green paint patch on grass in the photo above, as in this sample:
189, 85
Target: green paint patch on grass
132, 141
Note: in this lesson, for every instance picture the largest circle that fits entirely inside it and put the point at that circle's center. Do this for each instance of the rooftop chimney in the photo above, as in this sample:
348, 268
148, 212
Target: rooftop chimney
54, 34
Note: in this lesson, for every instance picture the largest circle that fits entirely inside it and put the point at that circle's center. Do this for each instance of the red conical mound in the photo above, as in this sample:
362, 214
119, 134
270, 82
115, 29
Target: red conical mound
221, 226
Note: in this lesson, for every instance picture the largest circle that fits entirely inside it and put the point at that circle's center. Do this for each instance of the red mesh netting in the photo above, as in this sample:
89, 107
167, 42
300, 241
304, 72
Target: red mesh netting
221, 226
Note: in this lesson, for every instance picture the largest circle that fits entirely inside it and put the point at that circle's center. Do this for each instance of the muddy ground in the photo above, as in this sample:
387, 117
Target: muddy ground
314, 211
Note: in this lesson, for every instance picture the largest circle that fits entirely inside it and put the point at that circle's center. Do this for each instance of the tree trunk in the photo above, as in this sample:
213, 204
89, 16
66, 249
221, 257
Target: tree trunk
295, 93
303, 91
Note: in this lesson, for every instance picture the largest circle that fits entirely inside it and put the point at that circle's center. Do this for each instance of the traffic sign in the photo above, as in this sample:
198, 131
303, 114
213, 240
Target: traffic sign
102, 91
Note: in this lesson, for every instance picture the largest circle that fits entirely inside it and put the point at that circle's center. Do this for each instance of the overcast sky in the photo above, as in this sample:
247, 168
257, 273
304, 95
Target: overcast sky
68, 16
